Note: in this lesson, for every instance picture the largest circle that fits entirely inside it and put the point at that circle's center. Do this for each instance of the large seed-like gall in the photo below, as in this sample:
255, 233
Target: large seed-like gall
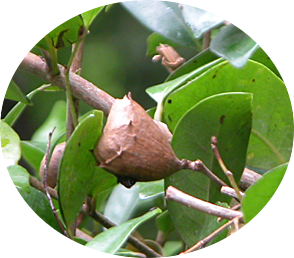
133, 147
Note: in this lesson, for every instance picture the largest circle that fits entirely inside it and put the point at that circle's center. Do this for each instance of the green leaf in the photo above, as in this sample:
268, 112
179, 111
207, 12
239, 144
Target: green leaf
56, 22
268, 208
272, 135
112, 239
57, 119
228, 117
40, 205
161, 91
164, 222
234, 45
14, 93
89, 10
164, 18
20, 177
10, 144
33, 152
154, 40
198, 20
16, 111
128, 202
77, 167
201, 59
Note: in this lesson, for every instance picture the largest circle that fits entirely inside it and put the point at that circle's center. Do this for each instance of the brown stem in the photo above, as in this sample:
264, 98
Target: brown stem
46, 165
227, 172
174, 194
198, 165
207, 239
80, 88
248, 178
231, 192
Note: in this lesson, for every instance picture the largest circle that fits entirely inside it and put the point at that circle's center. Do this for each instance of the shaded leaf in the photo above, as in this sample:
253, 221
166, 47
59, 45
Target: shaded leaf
112, 239
16, 111
77, 166
272, 135
164, 18
57, 119
90, 15
20, 177
198, 20
14, 93
234, 45
10, 144
230, 122
33, 152
268, 208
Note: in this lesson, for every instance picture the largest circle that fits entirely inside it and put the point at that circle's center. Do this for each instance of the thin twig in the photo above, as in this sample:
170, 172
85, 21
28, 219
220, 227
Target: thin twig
227, 172
235, 208
231, 192
176, 195
248, 178
198, 165
46, 166
202, 243
80, 88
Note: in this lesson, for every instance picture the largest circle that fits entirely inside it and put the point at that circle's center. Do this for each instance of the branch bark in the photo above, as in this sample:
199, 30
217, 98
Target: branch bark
174, 194
80, 87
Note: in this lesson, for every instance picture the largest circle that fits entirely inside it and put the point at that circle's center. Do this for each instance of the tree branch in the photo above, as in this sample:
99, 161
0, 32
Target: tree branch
174, 194
80, 87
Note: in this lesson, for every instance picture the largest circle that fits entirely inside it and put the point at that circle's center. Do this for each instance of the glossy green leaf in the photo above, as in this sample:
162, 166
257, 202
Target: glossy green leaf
228, 117
77, 167
234, 45
161, 91
16, 111
154, 40
14, 93
198, 20
20, 177
123, 203
89, 10
57, 119
268, 208
57, 22
10, 144
112, 239
162, 17
33, 152
40, 205
272, 134
201, 59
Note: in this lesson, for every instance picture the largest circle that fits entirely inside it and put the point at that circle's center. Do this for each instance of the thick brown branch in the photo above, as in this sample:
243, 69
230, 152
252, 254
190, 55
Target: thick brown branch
80, 88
